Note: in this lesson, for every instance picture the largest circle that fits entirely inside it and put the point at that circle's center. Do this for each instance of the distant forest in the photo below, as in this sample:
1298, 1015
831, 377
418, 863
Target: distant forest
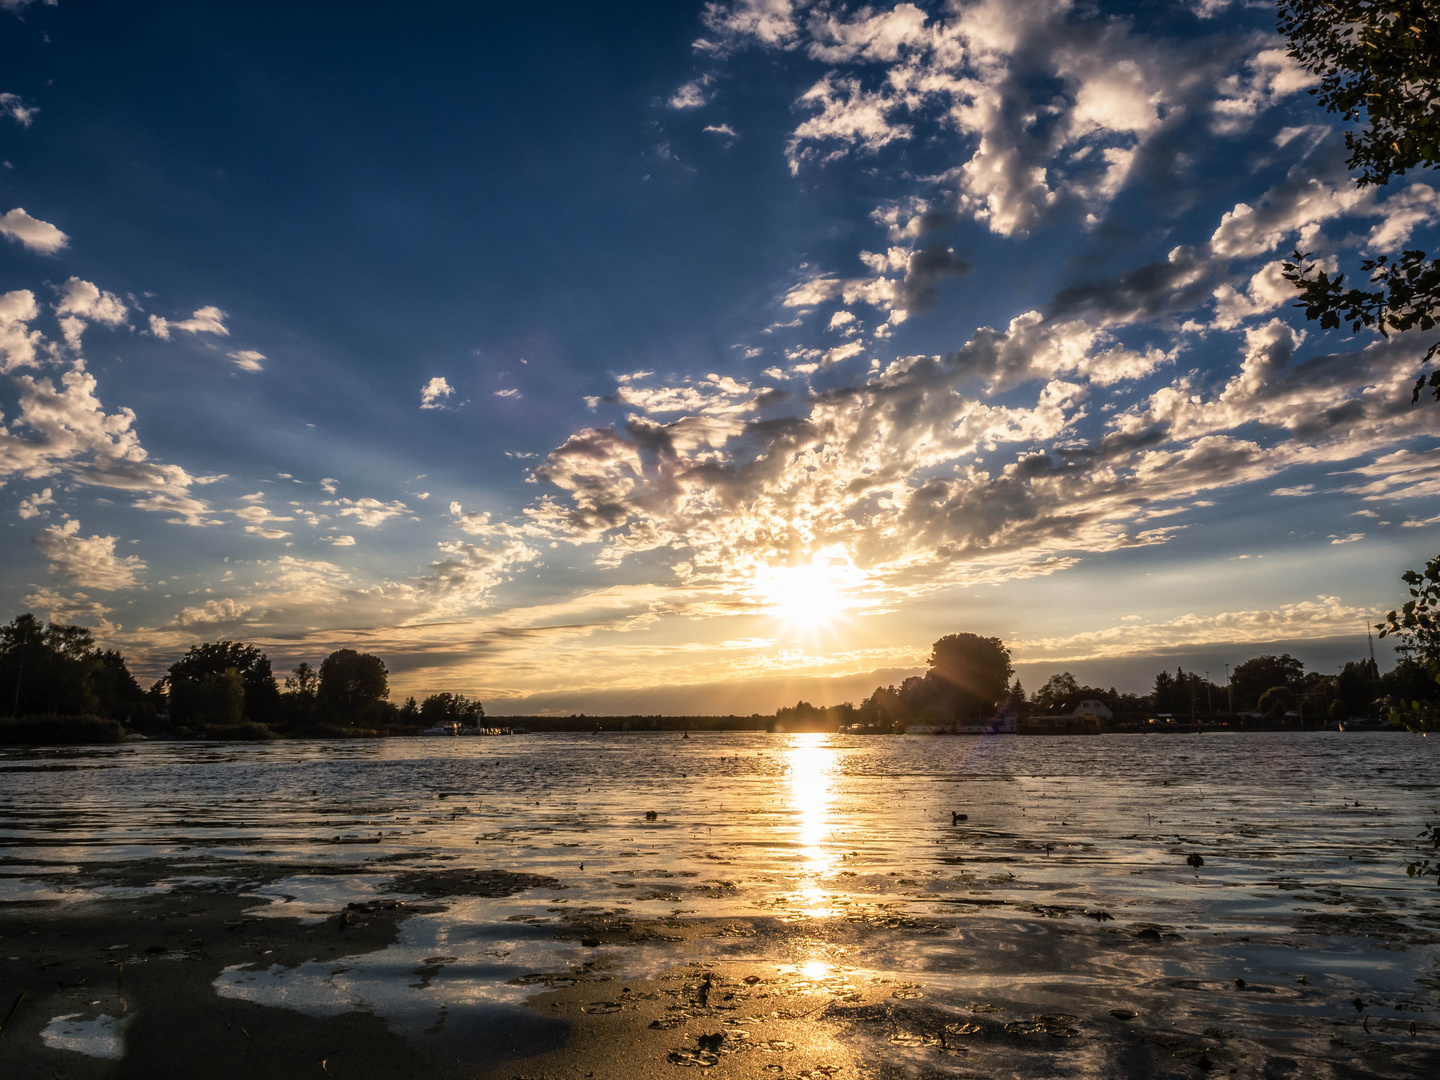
58, 685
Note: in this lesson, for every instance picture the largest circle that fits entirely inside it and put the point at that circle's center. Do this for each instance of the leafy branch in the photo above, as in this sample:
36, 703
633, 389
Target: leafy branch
1408, 299
1425, 867
1375, 57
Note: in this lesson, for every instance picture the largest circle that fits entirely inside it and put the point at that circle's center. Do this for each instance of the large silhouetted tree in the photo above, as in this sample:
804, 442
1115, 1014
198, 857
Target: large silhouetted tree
57, 669
1255, 676
351, 684
261, 696
978, 666
1378, 66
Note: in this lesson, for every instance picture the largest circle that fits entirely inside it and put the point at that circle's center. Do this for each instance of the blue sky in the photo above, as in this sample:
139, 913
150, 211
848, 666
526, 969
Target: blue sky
692, 358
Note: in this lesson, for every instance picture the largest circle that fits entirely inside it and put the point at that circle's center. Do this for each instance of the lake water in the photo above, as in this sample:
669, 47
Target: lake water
1063, 890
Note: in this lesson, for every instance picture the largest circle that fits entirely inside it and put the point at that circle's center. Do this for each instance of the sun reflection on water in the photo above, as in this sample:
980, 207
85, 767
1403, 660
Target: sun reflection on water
810, 762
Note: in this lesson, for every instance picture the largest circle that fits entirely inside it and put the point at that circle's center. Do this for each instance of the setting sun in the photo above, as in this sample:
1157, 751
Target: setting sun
809, 595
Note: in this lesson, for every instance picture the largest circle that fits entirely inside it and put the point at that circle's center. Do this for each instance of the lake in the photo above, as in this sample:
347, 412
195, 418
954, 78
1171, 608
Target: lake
871, 905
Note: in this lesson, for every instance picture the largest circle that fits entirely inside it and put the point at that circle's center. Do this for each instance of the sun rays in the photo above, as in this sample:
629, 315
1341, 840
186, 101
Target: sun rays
810, 596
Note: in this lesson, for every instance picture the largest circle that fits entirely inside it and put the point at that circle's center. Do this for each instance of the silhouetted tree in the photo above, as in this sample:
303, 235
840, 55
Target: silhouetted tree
352, 684
1255, 676
261, 701
979, 668
215, 697
1057, 693
1164, 693
448, 708
58, 670
1276, 701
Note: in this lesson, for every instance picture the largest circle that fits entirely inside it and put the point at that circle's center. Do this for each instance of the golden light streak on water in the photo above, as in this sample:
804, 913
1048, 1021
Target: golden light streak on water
810, 765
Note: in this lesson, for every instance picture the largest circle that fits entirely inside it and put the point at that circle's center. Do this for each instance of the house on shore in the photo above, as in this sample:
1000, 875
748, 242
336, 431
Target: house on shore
1087, 717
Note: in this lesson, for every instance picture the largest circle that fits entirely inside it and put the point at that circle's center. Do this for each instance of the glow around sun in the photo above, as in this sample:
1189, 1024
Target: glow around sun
810, 595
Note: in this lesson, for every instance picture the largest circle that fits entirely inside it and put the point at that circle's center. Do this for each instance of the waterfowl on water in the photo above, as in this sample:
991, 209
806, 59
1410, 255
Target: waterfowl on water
1195, 860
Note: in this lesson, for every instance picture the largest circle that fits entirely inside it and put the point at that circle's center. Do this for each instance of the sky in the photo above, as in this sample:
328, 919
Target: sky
693, 358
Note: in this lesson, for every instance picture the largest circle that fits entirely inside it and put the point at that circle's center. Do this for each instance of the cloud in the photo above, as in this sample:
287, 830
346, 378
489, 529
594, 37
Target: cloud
33, 233
17, 340
868, 36
1058, 105
511, 392
82, 302
885, 468
78, 609
340, 541
212, 613
257, 519
66, 428
770, 22
17, 110
1322, 617
183, 507
88, 561
693, 94
368, 512
34, 505
205, 320
87, 301
1266, 290
247, 359
845, 113
433, 394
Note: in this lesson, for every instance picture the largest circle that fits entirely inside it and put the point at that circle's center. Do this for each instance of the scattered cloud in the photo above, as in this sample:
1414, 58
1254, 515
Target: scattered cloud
87, 561
435, 393
693, 94
34, 505
17, 341
17, 110
31, 232
212, 613
1322, 617
368, 512
247, 359
81, 303
205, 320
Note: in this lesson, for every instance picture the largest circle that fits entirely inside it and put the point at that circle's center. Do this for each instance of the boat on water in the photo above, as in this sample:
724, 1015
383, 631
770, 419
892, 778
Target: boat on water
445, 727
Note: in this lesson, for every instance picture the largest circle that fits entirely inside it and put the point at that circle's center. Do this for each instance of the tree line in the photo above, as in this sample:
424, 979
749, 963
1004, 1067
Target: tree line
227, 688
971, 676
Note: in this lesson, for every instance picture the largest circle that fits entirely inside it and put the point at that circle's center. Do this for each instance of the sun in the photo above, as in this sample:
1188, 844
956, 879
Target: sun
809, 595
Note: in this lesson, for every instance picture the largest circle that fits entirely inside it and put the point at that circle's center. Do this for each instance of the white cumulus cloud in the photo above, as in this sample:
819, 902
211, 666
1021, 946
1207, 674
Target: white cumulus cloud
33, 233
88, 561
434, 393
